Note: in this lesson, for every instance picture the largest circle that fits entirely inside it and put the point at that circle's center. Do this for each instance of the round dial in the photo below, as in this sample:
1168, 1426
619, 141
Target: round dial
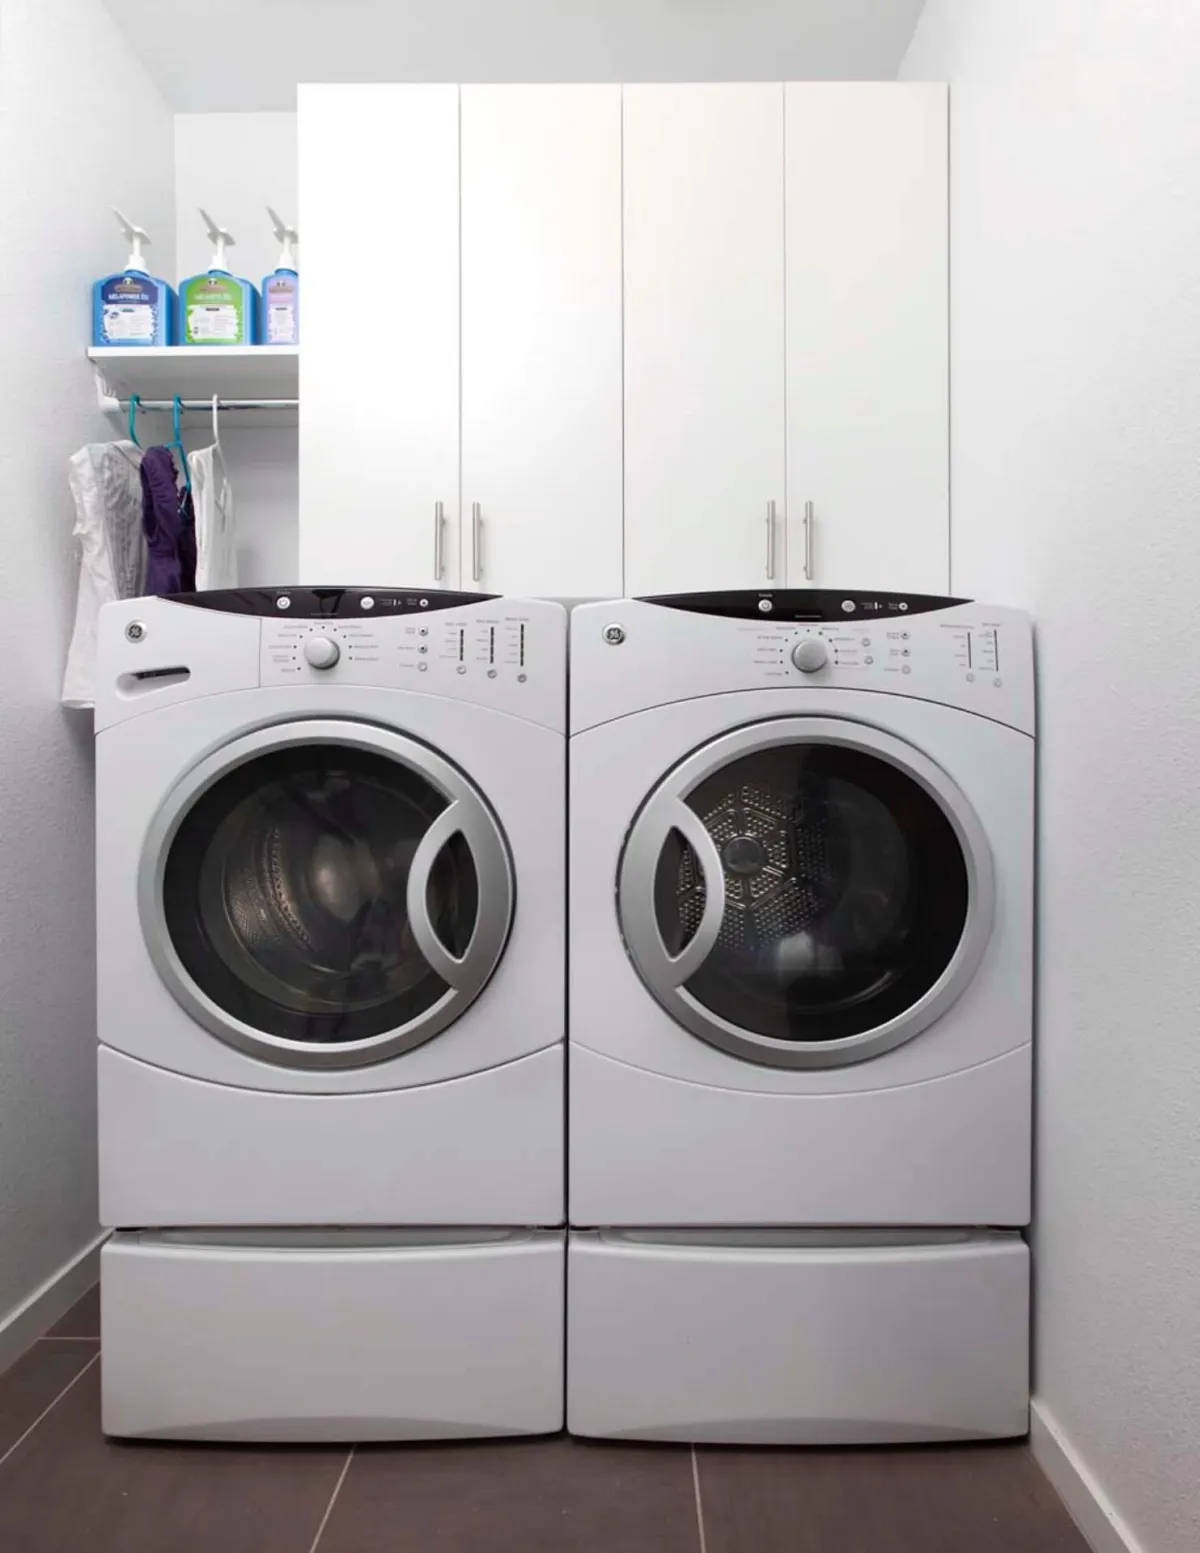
322, 652
810, 655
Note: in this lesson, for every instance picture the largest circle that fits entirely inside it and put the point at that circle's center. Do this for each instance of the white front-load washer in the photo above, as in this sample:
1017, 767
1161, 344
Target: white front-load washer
330, 871
799, 1005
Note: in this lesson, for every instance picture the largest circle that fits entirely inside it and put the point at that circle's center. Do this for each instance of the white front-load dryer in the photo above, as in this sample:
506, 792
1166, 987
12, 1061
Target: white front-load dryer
330, 860
800, 967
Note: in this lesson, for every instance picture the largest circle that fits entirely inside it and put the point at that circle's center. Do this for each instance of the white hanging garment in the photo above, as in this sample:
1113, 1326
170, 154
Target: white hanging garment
212, 499
106, 483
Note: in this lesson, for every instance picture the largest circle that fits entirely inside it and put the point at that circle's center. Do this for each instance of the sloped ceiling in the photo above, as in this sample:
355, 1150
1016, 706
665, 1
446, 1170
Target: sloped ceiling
248, 55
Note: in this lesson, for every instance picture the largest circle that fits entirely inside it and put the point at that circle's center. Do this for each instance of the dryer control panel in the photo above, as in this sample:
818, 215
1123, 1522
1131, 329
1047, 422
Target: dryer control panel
638, 653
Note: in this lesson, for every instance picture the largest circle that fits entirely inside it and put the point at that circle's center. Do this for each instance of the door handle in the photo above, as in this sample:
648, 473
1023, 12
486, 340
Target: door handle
439, 530
809, 524
476, 542
770, 541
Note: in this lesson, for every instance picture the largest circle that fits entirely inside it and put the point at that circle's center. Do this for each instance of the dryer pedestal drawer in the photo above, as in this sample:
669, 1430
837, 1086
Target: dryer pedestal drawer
332, 1335
798, 1337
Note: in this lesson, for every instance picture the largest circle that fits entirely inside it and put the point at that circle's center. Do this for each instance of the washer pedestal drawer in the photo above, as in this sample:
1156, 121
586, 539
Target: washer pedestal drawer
817, 1337
332, 1335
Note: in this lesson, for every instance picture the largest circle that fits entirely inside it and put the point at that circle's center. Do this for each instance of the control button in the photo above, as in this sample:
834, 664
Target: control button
866, 641
424, 667
765, 606
997, 682
521, 678
491, 673
868, 659
367, 603
904, 652
904, 636
462, 668
810, 655
283, 602
848, 606
422, 648
905, 669
970, 679
321, 652
424, 631
903, 606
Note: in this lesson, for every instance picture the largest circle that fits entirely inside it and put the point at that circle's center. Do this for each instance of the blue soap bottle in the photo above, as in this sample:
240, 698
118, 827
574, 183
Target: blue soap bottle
280, 323
132, 307
217, 307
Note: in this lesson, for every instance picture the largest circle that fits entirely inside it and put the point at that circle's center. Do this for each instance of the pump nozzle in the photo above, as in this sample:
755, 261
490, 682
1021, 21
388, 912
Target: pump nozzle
287, 235
135, 237
219, 238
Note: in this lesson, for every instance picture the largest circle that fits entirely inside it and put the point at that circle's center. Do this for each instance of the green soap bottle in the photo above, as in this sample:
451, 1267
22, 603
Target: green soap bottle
217, 307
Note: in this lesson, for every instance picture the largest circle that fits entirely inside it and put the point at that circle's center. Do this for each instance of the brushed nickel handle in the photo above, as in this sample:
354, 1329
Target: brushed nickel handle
476, 542
770, 541
439, 529
809, 525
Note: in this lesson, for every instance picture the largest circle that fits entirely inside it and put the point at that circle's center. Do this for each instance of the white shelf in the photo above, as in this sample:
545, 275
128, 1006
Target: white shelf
200, 371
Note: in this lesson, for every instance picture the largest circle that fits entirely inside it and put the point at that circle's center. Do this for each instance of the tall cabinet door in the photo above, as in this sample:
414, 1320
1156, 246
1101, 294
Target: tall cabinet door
379, 368
867, 327
541, 339
704, 329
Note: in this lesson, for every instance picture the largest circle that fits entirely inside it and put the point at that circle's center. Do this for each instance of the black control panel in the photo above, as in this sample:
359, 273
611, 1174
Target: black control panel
803, 604
328, 603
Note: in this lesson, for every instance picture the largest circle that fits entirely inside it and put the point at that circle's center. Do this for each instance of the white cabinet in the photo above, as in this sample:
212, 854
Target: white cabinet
649, 339
704, 337
867, 347
541, 339
379, 365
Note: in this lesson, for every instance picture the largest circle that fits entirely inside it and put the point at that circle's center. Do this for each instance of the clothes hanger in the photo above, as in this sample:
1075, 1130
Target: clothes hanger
176, 441
217, 448
135, 401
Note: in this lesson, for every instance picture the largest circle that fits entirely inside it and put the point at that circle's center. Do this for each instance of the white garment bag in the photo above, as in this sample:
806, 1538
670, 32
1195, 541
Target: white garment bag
105, 480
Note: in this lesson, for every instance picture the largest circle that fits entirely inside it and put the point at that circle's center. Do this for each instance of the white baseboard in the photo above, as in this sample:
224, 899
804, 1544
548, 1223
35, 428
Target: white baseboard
50, 1300
1090, 1507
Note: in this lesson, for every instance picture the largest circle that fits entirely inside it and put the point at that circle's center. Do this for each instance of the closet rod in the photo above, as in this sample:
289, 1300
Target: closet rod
207, 404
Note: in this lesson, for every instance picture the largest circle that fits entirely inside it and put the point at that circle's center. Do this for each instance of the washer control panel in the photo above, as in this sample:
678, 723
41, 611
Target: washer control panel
508, 653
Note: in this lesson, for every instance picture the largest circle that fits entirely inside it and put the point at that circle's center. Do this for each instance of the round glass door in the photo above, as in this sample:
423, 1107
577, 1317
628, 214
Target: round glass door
806, 892
325, 894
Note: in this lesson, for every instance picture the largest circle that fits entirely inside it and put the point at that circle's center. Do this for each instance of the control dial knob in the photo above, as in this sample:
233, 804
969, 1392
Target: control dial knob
810, 655
322, 652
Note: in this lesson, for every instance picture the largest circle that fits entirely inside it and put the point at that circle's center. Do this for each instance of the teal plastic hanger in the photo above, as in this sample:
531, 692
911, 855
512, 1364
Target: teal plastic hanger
135, 401
176, 441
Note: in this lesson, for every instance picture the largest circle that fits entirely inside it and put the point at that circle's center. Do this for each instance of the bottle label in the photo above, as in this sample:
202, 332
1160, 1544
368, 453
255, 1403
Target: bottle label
128, 311
214, 312
281, 311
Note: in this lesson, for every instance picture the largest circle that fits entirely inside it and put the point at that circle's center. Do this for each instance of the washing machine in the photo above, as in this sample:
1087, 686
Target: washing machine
330, 892
801, 850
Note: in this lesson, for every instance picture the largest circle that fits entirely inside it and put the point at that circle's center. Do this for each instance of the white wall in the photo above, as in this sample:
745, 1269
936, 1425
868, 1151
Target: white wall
1075, 307
81, 128
235, 165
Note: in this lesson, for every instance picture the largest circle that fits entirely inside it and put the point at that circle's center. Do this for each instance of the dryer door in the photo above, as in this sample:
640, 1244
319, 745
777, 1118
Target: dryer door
325, 893
806, 892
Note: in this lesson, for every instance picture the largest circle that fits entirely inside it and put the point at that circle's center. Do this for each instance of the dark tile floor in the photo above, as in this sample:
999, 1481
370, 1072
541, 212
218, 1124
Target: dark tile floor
64, 1488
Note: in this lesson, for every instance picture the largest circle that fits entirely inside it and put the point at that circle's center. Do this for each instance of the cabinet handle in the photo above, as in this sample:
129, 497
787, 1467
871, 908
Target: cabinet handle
476, 542
809, 525
439, 529
770, 541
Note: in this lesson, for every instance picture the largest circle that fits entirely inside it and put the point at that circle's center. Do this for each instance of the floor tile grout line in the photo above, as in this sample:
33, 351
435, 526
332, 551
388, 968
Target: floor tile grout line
16, 1445
337, 1488
699, 1501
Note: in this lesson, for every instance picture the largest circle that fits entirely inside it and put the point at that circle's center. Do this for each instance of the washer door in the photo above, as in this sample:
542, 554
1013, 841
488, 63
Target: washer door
806, 892
325, 894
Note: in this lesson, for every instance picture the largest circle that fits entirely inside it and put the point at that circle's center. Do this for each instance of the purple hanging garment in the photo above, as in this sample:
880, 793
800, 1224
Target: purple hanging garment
169, 524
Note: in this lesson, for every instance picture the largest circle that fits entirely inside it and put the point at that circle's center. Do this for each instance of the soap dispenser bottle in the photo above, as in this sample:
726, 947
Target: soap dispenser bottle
217, 307
281, 291
132, 307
